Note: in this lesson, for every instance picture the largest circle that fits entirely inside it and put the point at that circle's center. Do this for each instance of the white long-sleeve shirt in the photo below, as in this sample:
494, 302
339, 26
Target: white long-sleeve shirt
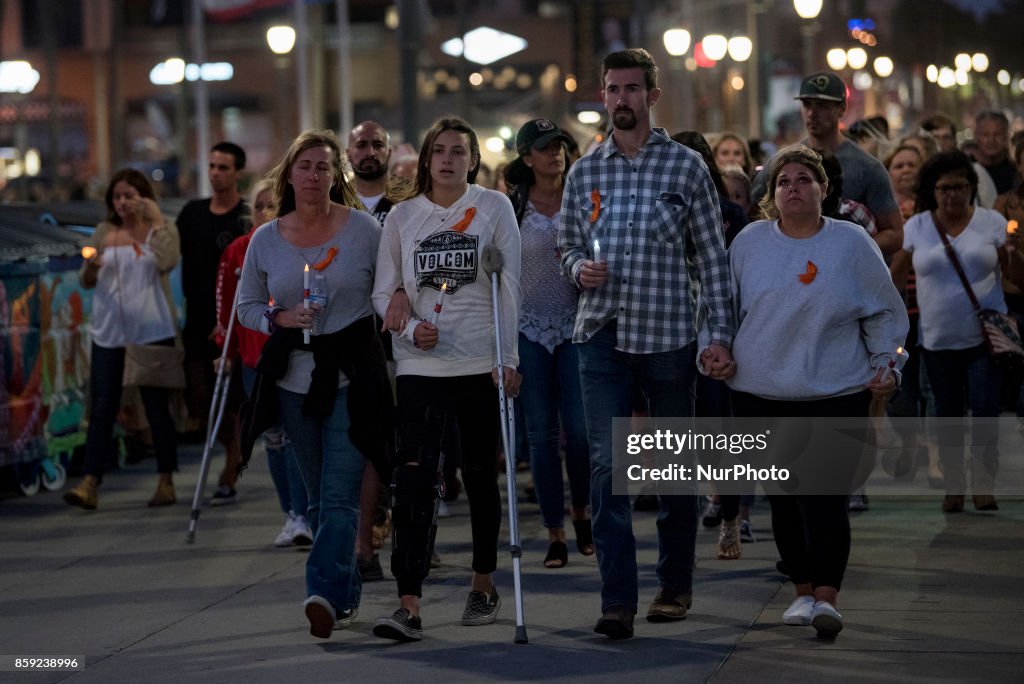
420, 251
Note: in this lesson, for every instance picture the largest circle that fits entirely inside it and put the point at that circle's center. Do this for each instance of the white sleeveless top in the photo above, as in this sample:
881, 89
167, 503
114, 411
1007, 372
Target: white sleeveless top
129, 306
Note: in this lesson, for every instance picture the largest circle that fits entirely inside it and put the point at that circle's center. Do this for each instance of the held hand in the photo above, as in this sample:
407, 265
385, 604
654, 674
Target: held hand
593, 274
513, 380
397, 315
717, 361
299, 317
218, 331
425, 336
217, 365
882, 388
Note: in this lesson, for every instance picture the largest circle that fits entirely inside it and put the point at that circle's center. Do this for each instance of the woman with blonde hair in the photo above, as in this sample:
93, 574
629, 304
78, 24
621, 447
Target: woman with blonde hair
306, 282
730, 149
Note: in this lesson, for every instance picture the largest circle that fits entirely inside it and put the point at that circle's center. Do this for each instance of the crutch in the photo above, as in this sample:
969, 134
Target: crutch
492, 262
221, 389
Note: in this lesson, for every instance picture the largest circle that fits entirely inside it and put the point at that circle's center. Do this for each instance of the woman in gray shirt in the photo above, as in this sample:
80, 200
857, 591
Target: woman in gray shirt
317, 249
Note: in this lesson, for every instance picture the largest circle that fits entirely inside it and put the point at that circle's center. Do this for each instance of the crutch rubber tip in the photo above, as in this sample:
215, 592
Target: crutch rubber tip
190, 538
521, 635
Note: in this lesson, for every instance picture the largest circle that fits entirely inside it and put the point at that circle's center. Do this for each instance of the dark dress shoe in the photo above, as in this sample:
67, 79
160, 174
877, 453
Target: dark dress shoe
616, 623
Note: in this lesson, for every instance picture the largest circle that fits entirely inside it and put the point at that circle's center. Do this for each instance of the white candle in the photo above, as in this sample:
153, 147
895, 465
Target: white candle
901, 353
305, 300
440, 302
597, 251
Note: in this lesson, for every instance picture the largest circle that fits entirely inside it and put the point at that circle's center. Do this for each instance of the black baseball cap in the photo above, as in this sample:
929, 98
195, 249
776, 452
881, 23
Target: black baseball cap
534, 135
538, 134
824, 85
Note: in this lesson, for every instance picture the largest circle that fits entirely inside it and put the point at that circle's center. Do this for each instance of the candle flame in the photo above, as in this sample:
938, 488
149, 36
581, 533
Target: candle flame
306, 268
444, 287
88, 252
1011, 227
899, 350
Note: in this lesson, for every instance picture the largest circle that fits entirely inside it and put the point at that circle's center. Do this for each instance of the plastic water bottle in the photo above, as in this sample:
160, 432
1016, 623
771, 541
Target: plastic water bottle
318, 295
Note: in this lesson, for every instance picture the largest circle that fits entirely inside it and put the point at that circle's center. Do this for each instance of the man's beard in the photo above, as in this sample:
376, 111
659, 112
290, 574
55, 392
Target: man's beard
624, 119
370, 172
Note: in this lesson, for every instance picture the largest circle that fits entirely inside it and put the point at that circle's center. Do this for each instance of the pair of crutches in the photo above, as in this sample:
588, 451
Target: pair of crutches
492, 262
221, 389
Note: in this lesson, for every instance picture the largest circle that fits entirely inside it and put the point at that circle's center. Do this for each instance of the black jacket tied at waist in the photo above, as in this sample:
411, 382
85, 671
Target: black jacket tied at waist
356, 351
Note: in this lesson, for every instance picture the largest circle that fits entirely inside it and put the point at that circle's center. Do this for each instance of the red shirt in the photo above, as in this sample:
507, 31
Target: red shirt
245, 342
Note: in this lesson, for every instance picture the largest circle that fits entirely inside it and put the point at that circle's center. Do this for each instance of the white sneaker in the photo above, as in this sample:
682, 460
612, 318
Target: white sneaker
302, 535
284, 537
826, 620
442, 510
799, 611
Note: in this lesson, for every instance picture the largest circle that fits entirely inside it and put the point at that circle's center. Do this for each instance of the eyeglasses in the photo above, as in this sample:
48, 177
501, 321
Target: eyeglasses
952, 188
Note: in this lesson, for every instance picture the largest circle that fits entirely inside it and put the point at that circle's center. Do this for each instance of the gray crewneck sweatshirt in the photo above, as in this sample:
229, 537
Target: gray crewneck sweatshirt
818, 339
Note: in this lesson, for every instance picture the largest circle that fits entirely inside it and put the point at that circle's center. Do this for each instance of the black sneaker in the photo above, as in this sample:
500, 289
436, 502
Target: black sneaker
400, 626
481, 609
346, 618
223, 496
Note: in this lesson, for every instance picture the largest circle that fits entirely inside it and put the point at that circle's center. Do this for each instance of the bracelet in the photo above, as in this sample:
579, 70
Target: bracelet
269, 314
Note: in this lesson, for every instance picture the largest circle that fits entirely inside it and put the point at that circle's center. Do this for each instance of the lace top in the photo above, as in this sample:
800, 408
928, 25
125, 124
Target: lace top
549, 300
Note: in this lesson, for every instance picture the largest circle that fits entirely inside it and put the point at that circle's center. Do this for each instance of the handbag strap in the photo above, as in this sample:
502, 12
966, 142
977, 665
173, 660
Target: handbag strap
951, 253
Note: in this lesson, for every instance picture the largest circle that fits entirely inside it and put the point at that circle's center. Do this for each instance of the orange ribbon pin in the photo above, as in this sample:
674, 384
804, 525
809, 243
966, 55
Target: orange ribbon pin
810, 275
462, 225
595, 198
326, 261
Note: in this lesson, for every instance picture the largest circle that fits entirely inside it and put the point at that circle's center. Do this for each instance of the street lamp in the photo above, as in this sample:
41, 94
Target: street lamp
962, 61
281, 39
883, 66
979, 62
809, 10
715, 46
836, 59
677, 42
856, 58
17, 76
740, 48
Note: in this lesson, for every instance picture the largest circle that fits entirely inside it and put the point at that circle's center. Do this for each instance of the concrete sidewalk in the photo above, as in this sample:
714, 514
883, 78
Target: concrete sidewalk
927, 598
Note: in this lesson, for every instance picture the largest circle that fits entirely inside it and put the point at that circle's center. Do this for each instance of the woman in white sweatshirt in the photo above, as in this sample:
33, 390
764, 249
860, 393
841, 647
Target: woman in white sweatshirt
446, 370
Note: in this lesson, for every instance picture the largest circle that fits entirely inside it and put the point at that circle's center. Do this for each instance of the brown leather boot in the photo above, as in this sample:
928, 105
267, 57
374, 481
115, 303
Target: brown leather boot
164, 495
84, 494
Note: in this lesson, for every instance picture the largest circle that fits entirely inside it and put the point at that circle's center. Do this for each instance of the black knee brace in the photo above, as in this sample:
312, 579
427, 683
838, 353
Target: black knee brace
415, 493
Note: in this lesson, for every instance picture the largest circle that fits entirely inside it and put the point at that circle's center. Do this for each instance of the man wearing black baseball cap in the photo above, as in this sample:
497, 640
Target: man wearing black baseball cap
823, 103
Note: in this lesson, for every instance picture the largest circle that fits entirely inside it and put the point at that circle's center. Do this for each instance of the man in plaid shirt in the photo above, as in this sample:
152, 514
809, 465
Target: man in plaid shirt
652, 208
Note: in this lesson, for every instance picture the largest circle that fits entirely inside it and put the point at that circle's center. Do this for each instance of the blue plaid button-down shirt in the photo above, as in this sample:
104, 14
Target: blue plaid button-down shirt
659, 227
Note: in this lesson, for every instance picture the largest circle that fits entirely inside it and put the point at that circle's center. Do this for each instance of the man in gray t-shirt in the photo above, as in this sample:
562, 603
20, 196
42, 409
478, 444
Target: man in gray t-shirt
823, 103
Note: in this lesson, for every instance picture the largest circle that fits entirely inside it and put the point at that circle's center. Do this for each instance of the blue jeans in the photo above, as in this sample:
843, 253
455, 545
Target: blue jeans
551, 388
667, 379
332, 469
284, 469
962, 380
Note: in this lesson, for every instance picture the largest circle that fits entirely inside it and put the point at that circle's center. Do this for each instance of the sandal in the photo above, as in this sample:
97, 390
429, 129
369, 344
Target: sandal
584, 536
729, 541
558, 555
